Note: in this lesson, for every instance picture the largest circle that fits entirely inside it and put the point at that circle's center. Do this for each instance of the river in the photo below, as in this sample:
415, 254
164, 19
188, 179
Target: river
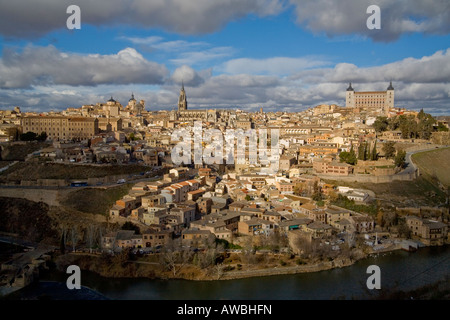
404, 269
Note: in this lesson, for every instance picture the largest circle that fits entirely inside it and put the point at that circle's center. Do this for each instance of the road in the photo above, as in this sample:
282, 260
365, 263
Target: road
410, 166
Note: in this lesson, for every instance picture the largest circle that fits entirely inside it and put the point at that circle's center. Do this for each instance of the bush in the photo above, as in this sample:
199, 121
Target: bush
228, 268
283, 263
300, 262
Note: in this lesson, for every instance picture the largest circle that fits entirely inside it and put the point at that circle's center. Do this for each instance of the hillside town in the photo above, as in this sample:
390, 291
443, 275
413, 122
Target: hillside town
309, 198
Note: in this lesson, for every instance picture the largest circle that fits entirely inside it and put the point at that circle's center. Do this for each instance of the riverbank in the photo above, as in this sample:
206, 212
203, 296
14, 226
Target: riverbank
401, 271
275, 264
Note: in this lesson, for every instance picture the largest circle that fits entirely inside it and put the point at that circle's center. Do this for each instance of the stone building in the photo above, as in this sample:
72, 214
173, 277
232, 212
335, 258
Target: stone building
61, 128
383, 100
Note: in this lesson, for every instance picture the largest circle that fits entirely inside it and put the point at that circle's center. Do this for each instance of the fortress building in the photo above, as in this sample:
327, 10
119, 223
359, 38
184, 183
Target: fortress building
383, 100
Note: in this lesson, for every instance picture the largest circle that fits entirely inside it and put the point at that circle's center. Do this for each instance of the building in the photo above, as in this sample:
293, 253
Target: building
154, 238
182, 100
383, 100
332, 168
61, 128
431, 232
286, 162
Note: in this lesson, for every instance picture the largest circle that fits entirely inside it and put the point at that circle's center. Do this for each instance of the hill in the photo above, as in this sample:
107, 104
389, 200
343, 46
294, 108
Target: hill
434, 165
29, 219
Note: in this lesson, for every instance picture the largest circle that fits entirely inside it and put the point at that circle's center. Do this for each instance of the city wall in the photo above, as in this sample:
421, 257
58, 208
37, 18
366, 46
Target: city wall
67, 182
368, 178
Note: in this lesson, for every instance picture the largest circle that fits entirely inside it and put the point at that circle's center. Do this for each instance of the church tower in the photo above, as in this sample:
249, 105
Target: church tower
389, 98
182, 100
350, 97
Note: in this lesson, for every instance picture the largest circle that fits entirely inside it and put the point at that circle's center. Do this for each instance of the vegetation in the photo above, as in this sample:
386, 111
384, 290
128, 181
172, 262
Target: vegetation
348, 157
227, 245
434, 165
18, 152
411, 127
34, 171
400, 158
95, 200
344, 202
31, 136
389, 149
131, 226
29, 219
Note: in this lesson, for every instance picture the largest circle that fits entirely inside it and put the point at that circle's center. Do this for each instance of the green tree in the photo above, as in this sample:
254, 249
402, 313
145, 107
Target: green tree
374, 154
348, 157
425, 125
367, 152
389, 149
361, 152
381, 124
441, 127
400, 158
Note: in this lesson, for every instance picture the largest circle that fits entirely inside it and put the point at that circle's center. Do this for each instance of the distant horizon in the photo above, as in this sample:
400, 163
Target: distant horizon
282, 55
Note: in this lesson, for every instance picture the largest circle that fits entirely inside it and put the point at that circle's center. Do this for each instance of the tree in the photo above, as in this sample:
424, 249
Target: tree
131, 226
367, 152
361, 152
400, 158
42, 136
381, 124
74, 237
29, 136
352, 156
62, 244
90, 236
317, 194
441, 127
389, 149
299, 188
374, 154
174, 257
348, 157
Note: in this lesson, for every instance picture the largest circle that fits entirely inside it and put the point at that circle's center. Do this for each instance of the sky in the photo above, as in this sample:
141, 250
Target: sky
281, 55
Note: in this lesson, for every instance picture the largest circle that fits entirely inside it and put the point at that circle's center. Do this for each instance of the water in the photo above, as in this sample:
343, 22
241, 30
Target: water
406, 270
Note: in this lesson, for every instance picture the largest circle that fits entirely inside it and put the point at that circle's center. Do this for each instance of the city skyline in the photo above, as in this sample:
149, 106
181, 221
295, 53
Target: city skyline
278, 55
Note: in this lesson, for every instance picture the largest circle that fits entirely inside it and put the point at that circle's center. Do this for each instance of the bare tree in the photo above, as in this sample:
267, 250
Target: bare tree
174, 257
91, 236
73, 237
100, 238
219, 270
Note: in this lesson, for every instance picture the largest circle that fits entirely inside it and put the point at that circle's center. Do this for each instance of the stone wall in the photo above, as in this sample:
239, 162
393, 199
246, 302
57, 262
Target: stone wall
368, 178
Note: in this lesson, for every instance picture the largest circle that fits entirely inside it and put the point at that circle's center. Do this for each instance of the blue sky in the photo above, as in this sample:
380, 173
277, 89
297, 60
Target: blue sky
280, 55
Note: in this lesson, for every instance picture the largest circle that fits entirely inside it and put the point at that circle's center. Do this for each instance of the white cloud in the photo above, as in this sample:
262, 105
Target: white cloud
48, 66
336, 18
22, 18
202, 56
157, 43
187, 75
419, 83
275, 65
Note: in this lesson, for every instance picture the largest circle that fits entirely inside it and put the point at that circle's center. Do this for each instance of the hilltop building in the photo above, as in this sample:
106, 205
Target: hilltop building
383, 100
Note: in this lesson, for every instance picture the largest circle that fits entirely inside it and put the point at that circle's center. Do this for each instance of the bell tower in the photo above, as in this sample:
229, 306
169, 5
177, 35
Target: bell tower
182, 100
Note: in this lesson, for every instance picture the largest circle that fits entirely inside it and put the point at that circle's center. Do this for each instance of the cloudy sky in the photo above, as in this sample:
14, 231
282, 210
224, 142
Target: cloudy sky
276, 54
